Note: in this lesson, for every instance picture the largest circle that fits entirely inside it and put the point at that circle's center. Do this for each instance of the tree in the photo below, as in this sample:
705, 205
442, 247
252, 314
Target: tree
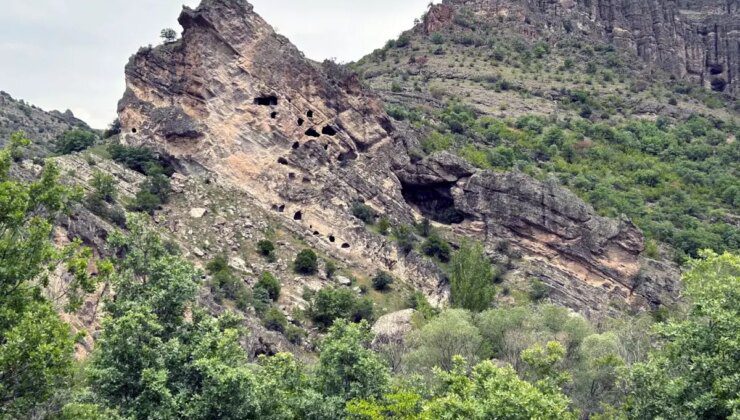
75, 140
450, 334
270, 283
471, 278
306, 262
36, 346
328, 305
168, 35
382, 280
104, 187
266, 248
347, 366
693, 374
435, 246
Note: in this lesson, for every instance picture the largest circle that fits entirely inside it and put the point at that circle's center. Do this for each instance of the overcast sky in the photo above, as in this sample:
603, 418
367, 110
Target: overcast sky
70, 54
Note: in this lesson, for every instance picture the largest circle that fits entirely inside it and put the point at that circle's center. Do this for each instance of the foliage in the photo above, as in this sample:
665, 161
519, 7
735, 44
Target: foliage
168, 35
266, 248
275, 320
138, 159
271, 284
306, 262
694, 374
382, 280
104, 187
435, 246
405, 238
450, 334
328, 305
364, 212
36, 346
75, 140
225, 284
471, 278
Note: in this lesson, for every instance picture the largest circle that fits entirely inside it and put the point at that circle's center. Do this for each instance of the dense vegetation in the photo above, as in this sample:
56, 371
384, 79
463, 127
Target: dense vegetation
677, 180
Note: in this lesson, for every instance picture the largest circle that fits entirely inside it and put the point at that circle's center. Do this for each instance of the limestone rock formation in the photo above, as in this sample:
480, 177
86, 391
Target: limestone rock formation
306, 141
696, 40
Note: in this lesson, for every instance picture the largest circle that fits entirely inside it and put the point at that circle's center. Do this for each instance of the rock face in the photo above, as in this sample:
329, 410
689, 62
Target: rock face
696, 40
40, 126
305, 141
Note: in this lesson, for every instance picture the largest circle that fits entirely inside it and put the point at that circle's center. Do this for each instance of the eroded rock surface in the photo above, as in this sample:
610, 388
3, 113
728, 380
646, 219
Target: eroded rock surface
306, 141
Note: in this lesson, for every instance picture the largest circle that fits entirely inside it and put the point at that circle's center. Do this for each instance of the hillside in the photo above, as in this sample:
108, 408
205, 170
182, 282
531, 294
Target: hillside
507, 211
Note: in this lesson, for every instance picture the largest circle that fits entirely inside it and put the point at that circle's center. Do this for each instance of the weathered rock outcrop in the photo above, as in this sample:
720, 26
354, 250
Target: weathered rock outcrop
696, 40
305, 141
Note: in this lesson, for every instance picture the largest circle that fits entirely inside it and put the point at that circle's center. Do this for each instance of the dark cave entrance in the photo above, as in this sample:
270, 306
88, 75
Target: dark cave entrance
434, 201
329, 131
270, 100
311, 132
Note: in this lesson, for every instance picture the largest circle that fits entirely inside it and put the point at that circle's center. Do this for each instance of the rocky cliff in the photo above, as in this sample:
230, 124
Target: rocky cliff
305, 141
696, 40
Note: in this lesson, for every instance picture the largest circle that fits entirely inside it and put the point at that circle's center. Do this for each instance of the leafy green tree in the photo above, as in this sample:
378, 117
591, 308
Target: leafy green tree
435, 246
306, 262
364, 212
347, 367
275, 320
450, 334
471, 278
75, 141
382, 280
36, 346
328, 305
270, 283
597, 374
266, 248
694, 373
104, 187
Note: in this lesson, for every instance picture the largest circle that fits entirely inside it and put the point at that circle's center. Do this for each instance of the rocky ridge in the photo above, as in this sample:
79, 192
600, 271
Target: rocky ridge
234, 100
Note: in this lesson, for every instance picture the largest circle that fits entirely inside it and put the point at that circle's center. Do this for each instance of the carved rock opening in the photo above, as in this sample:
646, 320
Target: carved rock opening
282, 161
270, 100
298, 215
329, 131
719, 85
300, 122
311, 132
332, 239
345, 245
309, 114
296, 145
434, 201
273, 115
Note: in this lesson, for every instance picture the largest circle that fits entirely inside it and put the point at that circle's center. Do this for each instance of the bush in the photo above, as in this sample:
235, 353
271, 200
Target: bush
153, 193
266, 248
294, 334
330, 268
145, 202
437, 38
405, 238
403, 41
275, 320
328, 305
382, 280
75, 141
364, 212
104, 187
384, 225
437, 247
471, 278
538, 290
139, 159
271, 284
306, 262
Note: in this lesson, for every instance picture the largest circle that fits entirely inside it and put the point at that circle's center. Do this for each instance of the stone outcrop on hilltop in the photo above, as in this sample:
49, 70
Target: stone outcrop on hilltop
696, 40
306, 141
40, 126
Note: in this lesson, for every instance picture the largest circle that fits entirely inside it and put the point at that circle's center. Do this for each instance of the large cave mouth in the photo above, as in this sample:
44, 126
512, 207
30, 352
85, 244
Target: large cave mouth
268, 100
434, 201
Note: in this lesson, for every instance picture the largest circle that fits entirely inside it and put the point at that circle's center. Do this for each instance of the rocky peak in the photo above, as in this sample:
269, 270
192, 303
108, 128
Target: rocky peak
305, 141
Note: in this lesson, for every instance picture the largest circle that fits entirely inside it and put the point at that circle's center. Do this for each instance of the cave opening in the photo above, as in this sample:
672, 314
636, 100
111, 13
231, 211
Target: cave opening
133, 130
434, 201
329, 131
311, 132
296, 145
332, 238
309, 114
300, 122
298, 215
274, 115
282, 161
345, 245
715, 69
270, 100
719, 84
291, 175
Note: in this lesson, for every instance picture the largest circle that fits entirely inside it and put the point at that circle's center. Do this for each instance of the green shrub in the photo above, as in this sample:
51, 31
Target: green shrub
471, 278
331, 268
538, 290
139, 159
403, 41
294, 334
260, 300
271, 284
329, 304
275, 320
306, 262
104, 187
265, 247
75, 141
437, 247
382, 280
405, 238
364, 212
437, 38
384, 225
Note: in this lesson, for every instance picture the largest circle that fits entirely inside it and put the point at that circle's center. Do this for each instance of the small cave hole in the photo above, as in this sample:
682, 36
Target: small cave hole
282, 161
298, 215
332, 239
270, 100
329, 131
311, 132
309, 114
300, 122
296, 145
273, 115
345, 245
281, 208
347, 156
133, 130
306, 180
291, 175
316, 233
326, 147
715, 69
719, 84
